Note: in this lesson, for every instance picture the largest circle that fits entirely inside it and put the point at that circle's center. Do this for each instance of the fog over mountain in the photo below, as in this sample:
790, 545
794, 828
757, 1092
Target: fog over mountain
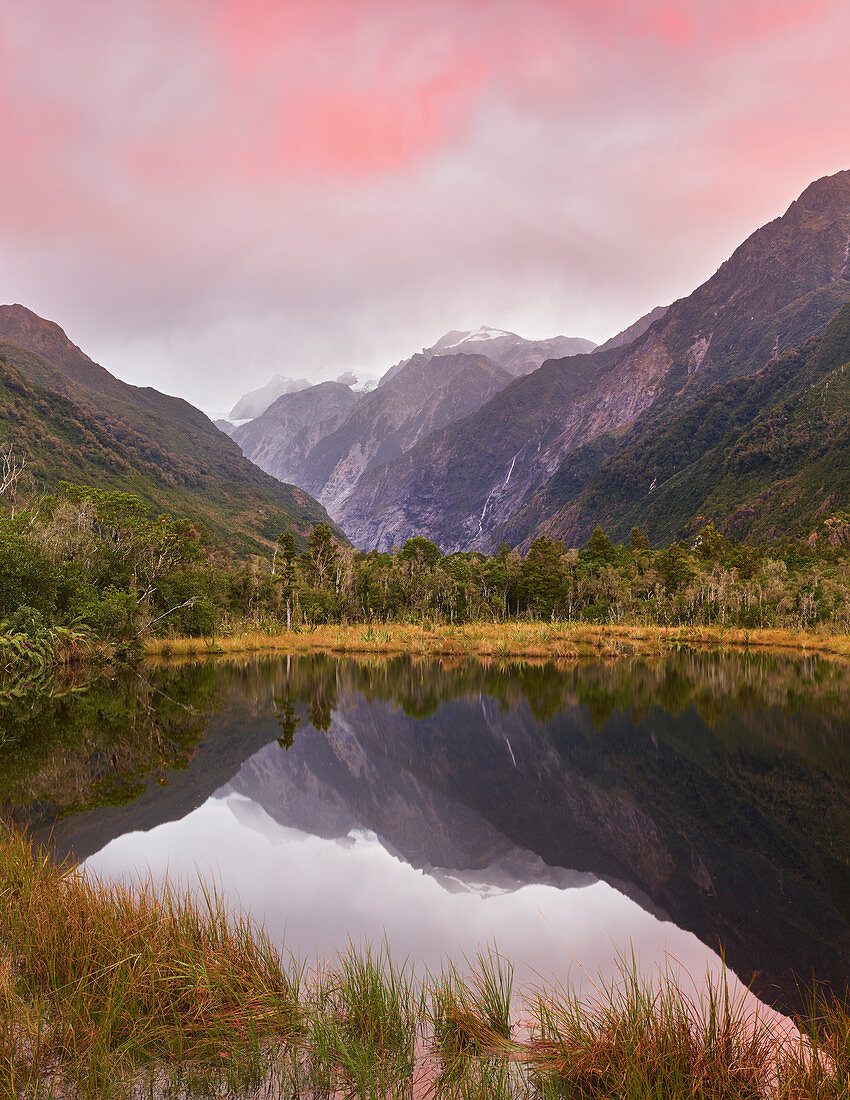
257, 401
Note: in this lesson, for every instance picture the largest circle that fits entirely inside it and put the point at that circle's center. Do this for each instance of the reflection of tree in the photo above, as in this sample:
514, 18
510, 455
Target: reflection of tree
321, 707
287, 719
85, 741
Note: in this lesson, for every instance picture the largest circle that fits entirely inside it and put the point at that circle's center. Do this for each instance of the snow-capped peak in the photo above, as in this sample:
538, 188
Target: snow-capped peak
484, 333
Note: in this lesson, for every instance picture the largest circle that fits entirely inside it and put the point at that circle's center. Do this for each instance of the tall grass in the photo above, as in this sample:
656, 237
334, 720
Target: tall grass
501, 640
112, 990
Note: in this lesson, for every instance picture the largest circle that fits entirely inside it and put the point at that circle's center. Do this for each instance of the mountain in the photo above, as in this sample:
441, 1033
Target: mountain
76, 422
421, 397
760, 456
328, 449
280, 439
324, 438
257, 401
517, 355
782, 285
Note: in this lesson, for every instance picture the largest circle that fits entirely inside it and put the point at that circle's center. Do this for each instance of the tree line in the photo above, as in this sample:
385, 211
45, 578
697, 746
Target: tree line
95, 561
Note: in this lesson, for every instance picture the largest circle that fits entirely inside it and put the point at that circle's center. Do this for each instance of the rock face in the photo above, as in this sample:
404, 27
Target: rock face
280, 439
463, 486
423, 396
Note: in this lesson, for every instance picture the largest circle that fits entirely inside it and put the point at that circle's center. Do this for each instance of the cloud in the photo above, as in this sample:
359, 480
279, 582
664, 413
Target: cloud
317, 187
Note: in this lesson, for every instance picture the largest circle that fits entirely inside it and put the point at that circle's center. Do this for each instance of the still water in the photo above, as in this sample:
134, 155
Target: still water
673, 809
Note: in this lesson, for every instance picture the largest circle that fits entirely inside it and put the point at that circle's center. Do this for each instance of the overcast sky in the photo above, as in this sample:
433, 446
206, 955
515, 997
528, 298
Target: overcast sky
207, 193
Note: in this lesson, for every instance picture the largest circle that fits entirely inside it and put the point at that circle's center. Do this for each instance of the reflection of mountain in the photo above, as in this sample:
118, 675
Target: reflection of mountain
658, 806
507, 873
329, 784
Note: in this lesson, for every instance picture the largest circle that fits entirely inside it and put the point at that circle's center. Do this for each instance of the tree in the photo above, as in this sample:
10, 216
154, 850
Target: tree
600, 550
286, 548
543, 576
27, 576
323, 553
421, 552
676, 567
638, 541
11, 468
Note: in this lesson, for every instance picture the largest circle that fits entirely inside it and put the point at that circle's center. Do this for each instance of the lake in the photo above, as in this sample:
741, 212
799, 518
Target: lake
670, 810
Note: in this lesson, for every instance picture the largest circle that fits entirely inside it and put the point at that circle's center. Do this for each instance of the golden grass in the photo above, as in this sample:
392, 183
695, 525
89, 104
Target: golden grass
109, 990
539, 640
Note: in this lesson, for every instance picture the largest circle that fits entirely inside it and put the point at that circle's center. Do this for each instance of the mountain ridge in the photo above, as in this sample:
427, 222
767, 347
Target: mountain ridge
758, 456
781, 285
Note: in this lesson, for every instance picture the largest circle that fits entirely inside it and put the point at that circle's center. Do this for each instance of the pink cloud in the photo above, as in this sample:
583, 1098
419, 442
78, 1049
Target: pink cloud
554, 164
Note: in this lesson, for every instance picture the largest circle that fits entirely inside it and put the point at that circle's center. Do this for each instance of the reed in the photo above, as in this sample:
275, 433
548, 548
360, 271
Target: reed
640, 1038
148, 990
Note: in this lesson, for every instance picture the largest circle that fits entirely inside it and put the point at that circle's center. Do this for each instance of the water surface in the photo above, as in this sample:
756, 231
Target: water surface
672, 808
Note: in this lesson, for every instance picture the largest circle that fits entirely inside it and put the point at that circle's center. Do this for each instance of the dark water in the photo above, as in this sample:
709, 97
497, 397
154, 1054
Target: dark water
677, 808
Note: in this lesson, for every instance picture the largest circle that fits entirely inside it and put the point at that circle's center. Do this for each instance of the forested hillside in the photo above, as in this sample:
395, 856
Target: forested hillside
761, 457
87, 426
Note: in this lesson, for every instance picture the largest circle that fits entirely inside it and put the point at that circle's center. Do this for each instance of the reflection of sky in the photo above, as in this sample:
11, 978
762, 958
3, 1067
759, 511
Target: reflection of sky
319, 893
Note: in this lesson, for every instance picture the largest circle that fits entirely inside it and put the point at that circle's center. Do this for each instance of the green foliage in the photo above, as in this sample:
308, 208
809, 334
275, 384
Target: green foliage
27, 576
675, 567
422, 551
762, 456
95, 560
161, 451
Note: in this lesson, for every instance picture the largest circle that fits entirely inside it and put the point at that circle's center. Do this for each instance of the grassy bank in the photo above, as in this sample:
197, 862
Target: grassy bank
502, 640
106, 990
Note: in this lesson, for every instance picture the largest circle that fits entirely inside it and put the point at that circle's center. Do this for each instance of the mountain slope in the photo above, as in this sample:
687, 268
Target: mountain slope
765, 455
76, 422
778, 288
630, 334
279, 440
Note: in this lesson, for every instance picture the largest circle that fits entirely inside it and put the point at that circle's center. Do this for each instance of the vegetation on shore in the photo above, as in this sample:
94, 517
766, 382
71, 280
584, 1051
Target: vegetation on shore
87, 572
528, 640
108, 989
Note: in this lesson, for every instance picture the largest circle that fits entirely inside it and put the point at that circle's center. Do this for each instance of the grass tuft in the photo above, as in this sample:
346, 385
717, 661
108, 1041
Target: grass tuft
113, 990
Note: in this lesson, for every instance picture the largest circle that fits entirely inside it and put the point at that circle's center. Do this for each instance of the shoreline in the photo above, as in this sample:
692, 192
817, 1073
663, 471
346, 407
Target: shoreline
500, 641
